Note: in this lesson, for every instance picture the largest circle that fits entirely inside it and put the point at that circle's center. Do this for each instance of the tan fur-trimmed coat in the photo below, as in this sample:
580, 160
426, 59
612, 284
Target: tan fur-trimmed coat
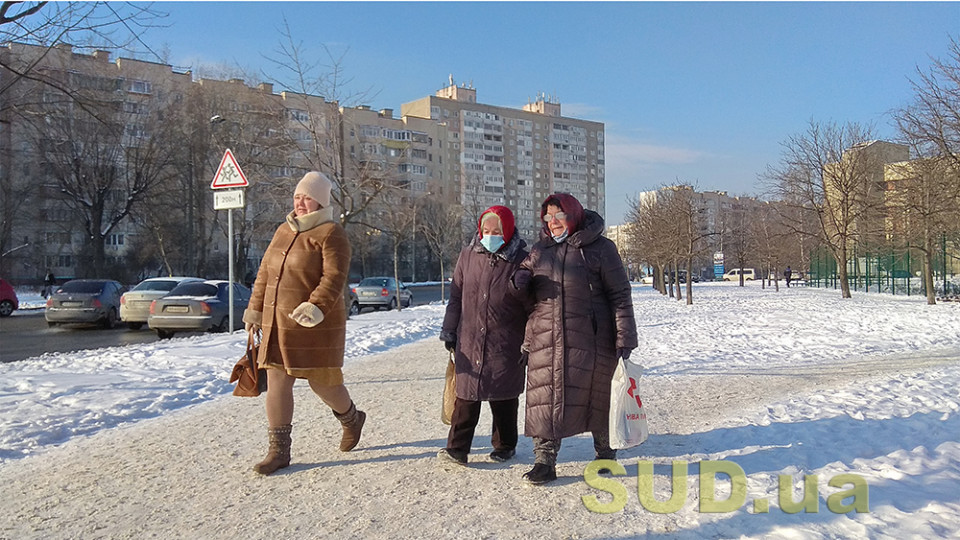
308, 260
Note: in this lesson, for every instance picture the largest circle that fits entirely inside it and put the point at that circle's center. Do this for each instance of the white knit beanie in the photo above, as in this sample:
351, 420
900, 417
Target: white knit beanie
317, 186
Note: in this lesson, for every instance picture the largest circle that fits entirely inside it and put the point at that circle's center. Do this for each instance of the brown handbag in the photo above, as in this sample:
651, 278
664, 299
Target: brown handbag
449, 392
251, 380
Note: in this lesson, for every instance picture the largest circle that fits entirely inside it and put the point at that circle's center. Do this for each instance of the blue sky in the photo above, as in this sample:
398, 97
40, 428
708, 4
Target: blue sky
701, 93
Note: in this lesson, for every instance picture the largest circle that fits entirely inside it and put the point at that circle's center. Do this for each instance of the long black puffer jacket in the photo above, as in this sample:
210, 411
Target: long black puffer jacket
583, 313
488, 337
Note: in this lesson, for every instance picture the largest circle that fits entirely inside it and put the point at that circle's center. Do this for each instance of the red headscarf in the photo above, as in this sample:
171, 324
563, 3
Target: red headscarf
506, 221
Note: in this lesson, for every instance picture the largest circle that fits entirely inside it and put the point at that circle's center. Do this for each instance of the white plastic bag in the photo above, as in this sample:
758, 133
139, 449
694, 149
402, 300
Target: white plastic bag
628, 421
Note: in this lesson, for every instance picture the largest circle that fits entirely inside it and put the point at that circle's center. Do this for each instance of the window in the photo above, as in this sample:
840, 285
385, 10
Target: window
139, 87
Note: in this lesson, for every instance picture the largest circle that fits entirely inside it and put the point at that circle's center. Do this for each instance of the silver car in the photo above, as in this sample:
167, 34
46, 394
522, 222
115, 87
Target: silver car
135, 303
198, 306
85, 301
381, 292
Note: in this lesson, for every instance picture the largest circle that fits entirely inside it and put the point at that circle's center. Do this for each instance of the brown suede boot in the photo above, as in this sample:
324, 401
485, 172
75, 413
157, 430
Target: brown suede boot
352, 421
278, 456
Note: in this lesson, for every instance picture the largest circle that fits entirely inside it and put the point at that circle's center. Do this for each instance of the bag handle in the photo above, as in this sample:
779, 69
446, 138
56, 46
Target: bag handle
252, 349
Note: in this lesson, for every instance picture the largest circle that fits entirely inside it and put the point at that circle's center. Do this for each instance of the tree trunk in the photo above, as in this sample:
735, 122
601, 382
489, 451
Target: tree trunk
676, 279
396, 272
928, 271
443, 282
690, 281
841, 258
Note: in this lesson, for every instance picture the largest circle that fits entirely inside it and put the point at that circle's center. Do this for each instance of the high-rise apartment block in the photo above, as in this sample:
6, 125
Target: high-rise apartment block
162, 121
515, 157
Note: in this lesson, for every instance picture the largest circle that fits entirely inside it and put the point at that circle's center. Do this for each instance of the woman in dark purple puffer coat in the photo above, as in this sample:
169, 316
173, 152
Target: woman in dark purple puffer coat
582, 323
484, 326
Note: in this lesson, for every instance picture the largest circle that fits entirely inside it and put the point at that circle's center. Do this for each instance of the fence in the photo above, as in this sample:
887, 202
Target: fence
893, 271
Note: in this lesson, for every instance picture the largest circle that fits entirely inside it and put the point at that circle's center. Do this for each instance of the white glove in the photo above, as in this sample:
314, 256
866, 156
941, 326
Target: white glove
307, 314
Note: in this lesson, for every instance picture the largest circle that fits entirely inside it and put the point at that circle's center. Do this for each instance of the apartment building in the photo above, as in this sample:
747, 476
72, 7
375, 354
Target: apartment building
42, 133
515, 157
445, 148
719, 222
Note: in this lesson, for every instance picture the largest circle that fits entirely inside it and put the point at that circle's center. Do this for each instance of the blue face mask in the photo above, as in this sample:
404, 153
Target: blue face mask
492, 242
562, 237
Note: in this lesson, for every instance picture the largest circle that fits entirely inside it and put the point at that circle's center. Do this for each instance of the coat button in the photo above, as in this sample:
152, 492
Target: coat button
482, 329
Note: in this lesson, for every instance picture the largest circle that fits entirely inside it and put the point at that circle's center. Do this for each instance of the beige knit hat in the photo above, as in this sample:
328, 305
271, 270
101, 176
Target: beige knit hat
317, 186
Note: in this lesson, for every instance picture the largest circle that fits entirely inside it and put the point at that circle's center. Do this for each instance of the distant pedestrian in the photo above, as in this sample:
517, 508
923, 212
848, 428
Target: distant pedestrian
483, 327
582, 323
48, 283
787, 274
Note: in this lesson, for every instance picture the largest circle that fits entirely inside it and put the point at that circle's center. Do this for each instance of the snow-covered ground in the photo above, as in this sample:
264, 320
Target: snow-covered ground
146, 440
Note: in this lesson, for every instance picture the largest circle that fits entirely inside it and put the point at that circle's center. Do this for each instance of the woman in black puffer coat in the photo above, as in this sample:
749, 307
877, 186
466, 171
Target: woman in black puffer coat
484, 327
582, 323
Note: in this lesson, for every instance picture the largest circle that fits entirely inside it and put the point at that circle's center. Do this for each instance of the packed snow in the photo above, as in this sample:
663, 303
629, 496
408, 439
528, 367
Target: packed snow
146, 440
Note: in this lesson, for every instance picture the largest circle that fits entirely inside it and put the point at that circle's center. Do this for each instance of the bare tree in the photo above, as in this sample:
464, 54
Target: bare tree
924, 206
649, 220
686, 213
925, 191
440, 225
108, 25
103, 169
319, 89
396, 221
826, 171
932, 122
738, 238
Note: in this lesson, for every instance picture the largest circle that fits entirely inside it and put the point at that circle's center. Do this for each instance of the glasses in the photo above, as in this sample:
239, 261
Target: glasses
559, 215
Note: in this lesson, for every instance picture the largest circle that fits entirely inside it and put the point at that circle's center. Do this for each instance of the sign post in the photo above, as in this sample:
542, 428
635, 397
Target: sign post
229, 175
718, 265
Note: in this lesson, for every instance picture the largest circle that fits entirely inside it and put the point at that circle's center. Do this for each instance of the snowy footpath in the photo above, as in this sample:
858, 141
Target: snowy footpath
856, 399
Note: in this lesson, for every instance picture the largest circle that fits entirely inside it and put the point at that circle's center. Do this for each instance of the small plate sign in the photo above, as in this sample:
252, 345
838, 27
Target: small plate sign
225, 200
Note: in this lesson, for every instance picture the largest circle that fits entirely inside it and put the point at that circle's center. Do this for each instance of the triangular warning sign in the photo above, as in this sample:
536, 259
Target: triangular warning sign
229, 174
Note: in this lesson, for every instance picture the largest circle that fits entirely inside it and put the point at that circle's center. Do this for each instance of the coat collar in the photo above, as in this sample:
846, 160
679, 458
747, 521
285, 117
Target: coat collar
309, 221
587, 233
507, 252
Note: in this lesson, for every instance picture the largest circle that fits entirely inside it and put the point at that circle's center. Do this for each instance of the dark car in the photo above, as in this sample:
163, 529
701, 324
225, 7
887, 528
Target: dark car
8, 299
198, 306
381, 292
683, 277
85, 301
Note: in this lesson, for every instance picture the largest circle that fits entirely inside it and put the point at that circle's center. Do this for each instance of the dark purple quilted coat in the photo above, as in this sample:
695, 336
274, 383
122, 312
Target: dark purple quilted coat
487, 316
582, 314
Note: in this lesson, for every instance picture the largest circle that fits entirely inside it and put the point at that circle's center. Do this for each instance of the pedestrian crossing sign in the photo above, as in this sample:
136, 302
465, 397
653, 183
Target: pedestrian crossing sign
229, 174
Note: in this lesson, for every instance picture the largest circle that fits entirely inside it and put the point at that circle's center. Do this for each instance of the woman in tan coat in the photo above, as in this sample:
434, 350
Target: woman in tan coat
297, 302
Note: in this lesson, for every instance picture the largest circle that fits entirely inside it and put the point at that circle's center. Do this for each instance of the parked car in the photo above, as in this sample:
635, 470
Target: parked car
381, 292
85, 301
734, 275
8, 299
198, 306
354, 303
135, 303
683, 277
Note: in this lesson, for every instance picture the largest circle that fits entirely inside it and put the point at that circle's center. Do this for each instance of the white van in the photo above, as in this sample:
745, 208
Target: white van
734, 275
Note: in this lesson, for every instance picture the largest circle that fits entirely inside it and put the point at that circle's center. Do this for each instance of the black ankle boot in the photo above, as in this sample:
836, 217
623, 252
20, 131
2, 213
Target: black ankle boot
541, 474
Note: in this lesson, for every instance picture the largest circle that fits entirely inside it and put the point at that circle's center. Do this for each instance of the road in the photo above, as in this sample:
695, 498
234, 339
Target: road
25, 334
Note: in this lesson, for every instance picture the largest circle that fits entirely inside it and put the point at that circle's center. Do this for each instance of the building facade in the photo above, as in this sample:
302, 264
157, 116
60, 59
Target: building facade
515, 157
445, 148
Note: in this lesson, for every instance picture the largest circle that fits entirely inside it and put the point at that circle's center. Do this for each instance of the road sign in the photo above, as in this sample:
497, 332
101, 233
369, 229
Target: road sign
225, 200
229, 174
